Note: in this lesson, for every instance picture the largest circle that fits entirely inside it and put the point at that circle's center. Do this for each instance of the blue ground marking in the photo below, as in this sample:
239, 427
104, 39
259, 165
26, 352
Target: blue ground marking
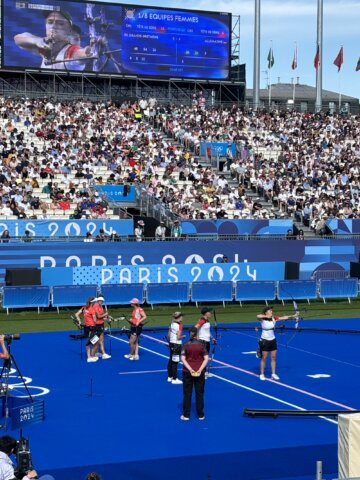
131, 423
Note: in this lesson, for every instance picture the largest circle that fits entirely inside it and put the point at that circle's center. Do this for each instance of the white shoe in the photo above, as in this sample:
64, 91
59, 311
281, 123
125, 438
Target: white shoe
128, 356
262, 377
176, 382
92, 359
136, 357
98, 354
170, 379
105, 356
275, 377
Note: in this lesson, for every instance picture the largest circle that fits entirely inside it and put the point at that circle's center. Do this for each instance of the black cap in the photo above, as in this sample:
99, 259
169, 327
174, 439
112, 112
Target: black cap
206, 310
193, 331
63, 13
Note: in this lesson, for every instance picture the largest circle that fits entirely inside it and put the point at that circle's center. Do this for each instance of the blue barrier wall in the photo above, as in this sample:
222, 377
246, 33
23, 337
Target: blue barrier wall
65, 228
312, 255
236, 227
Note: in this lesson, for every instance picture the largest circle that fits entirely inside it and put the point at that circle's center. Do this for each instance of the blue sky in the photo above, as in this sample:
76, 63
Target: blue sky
284, 22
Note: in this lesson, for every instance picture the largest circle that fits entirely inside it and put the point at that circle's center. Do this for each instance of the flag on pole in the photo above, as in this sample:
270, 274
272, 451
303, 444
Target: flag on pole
357, 66
270, 59
317, 58
339, 60
294, 62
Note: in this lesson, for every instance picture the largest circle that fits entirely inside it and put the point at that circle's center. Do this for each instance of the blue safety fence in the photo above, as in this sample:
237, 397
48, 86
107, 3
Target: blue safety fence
183, 292
212, 292
122, 294
167, 293
72, 295
297, 290
26, 297
346, 288
247, 291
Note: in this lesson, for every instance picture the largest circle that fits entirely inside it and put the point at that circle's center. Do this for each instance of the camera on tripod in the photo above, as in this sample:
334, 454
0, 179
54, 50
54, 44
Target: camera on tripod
9, 337
23, 457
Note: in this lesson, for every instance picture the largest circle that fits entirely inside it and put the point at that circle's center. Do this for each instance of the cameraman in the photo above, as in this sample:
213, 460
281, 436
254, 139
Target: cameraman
4, 354
7, 447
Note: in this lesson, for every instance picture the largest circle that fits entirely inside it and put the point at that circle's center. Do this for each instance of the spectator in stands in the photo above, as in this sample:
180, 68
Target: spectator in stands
7, 447
160, 231
88, 237
27, 237
5, 236
175, 337
114, 237
100, 237
290, 235
194, 358
267, 342
139, 231
224, 259
300, 235
176, 230
137, 321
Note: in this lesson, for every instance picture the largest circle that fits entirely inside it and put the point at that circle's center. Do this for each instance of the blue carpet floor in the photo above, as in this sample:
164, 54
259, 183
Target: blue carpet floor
121, 418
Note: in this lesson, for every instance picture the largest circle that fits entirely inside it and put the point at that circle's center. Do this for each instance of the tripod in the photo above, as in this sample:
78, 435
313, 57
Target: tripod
4, 382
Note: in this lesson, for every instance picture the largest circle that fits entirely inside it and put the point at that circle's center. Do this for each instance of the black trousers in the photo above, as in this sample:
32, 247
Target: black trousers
188, 383
175, 351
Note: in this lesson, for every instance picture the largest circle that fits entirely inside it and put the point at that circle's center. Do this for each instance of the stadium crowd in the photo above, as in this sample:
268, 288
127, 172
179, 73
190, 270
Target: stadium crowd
286, 164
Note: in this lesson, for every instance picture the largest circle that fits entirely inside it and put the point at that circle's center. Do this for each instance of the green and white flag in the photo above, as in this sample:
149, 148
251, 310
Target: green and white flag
270, 59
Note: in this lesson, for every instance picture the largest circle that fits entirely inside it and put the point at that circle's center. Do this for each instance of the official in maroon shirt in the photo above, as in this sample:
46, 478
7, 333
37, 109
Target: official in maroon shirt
194, 358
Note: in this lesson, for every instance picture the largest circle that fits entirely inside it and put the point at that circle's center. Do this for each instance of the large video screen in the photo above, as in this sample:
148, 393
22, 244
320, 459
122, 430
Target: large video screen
121, 39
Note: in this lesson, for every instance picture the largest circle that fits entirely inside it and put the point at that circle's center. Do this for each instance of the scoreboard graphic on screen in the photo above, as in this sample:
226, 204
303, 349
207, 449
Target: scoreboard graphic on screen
116, 38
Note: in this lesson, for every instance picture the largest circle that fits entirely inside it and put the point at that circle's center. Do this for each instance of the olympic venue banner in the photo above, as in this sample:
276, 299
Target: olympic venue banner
169, 273
216, 148
312, 255
115, 193
66, 228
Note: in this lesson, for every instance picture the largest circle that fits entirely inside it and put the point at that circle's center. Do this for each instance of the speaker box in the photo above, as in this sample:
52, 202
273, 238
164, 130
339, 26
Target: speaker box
291, 271
355, 269
22, 276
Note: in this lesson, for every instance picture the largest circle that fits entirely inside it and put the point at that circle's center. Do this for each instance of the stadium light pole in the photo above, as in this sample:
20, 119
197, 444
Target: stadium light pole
256, 77
319, 42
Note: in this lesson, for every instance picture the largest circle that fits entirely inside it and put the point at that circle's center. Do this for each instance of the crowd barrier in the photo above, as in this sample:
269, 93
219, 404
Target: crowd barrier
160, 293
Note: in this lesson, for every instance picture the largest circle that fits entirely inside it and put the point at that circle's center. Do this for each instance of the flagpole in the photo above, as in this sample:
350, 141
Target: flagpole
270, 67
293, 93
318, 101
339, 91
295, 66
256, 73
